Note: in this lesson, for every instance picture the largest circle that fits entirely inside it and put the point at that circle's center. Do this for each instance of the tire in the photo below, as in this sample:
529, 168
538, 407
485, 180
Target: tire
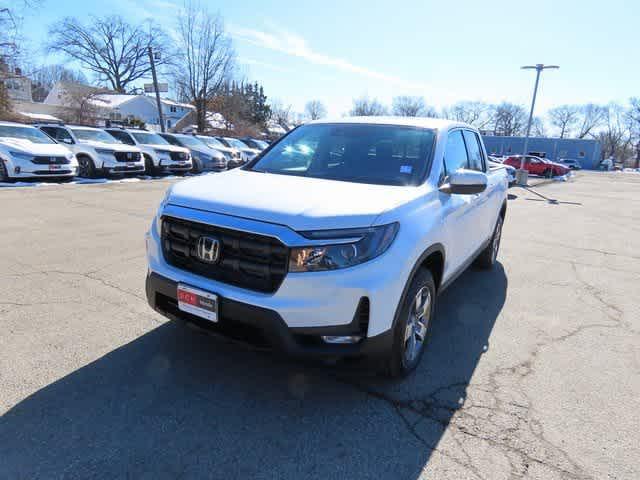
86, 168
488, 256
197, 166
4, 175
149, 167
413, 328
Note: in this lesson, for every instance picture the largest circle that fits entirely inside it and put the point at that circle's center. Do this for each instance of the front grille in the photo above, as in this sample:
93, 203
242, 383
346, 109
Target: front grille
127, 156
132, 168
45, 160
178, 156
52, 172
247, 260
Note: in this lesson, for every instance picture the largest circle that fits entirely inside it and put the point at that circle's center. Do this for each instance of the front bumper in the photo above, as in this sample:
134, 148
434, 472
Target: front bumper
124, 168
176, 166
265, 328
24, 169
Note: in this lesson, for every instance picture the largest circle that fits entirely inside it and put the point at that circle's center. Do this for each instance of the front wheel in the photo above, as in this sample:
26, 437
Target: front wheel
198, 167
86, 168
149, 167
413, 328
4, 175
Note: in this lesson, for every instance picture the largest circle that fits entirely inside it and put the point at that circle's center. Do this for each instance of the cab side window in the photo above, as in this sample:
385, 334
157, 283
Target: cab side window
476, 160
124, 137
455, 154
58, 134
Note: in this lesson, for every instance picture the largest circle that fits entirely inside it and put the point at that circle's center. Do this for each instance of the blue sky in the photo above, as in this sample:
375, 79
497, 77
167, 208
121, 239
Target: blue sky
445, 51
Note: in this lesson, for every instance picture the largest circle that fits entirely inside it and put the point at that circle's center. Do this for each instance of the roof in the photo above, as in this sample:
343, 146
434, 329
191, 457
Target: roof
15, 124
422, 122
43, 117
112, 99
82, 127
168, 101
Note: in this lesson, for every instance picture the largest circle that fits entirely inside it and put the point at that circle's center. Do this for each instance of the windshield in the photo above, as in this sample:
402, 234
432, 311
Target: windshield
261, 144
94, 136
212, 142
149, 138
236, 143
24, 133
377, 154
191, 141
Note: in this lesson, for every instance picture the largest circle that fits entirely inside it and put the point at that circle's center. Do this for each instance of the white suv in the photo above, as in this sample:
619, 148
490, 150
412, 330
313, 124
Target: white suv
98, 153
26, 152
335, 242
159, 155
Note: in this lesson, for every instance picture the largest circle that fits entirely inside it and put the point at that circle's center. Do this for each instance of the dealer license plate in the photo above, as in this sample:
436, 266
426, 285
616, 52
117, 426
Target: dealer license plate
198, 302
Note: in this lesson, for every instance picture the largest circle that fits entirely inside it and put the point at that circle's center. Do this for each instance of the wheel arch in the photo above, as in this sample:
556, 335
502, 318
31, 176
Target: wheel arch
433, 259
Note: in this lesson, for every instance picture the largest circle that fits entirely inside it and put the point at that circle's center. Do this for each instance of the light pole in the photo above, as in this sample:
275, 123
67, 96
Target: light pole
539, 67
155, 86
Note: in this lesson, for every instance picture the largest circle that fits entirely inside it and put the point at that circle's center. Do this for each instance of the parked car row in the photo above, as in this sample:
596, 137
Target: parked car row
63, 151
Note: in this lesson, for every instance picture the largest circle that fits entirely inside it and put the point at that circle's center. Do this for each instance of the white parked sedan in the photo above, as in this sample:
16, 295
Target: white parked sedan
26, 152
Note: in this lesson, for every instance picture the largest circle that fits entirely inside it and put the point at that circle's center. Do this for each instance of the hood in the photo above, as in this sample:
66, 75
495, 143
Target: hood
207, 151
32, 148
166, 148
117, 147
297, 202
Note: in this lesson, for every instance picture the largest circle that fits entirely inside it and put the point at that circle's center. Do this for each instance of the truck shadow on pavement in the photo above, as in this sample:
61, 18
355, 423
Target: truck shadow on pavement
177, 404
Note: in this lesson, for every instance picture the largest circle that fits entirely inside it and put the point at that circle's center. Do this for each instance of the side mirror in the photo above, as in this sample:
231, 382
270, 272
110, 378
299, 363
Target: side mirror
465, 182
68, 141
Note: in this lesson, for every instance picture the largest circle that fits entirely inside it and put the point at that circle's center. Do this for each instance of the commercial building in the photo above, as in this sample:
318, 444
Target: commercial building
587, 152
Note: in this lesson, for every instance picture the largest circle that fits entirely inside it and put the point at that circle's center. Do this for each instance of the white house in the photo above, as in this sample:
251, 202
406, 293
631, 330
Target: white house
121, 107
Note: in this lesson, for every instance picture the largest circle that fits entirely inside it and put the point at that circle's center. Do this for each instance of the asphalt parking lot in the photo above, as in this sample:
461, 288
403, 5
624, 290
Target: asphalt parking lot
533, 370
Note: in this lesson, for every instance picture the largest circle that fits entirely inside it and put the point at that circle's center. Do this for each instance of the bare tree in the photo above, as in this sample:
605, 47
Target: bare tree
315, 110
204, 59
591, 117
366, 107
538, 128
633, 114
565, 118
477, 114
509, 119
116, 51
615, 136
82, 105
282, 114
44, 78
406, 106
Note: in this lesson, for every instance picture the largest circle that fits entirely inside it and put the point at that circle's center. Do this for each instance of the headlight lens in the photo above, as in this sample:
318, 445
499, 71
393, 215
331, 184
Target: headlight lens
21, 156
163, 203
104, 151
69, 156
162, 153
368, 243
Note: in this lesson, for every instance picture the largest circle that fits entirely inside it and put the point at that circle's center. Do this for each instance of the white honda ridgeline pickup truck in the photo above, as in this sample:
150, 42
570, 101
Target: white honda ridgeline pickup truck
334, 242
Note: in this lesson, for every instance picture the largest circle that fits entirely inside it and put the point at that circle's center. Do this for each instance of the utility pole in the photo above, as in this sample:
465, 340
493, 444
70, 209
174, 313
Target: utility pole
539, 67
155, 87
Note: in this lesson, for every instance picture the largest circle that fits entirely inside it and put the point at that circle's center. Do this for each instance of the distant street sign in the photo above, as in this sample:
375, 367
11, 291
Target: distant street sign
162, 87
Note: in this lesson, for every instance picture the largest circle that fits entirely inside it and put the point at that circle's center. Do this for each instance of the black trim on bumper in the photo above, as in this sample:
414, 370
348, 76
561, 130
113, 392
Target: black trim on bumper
263, 327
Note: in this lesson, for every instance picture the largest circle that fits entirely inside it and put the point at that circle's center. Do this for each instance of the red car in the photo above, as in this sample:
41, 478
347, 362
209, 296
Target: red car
537, 165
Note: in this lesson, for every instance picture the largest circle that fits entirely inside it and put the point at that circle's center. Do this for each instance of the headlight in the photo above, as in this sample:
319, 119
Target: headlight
69, 156
104, 151
368, 243
21, 156
162, 153
163, 203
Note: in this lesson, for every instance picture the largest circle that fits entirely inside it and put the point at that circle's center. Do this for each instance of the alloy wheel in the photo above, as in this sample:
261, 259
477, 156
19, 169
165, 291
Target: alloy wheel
417, 324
